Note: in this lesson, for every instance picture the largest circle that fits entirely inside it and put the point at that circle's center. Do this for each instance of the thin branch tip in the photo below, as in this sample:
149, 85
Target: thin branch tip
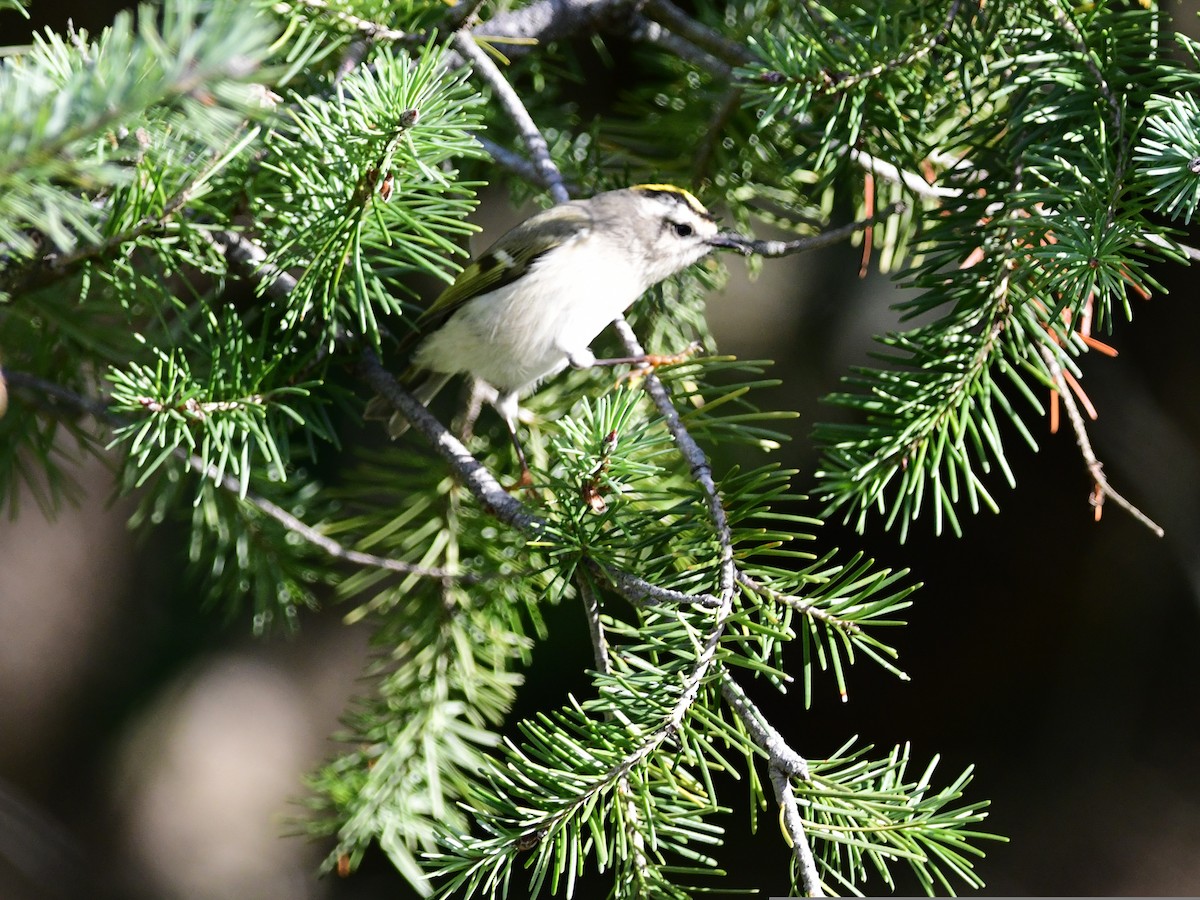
1102, 489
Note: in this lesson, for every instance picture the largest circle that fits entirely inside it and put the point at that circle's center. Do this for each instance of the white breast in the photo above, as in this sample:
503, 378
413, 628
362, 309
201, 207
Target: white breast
516, 336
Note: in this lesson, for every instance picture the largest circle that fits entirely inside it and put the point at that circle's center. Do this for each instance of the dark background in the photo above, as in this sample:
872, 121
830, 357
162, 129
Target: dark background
149, 749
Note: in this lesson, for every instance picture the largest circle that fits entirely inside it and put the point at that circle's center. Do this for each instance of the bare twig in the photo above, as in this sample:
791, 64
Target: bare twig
672, 17
702, 473
696, 460
591, 609
479, 481
784, 764
824, 239
643, 29
761, 731
67, 397
535, 143
911, 180
549, 20
251, 260
1102, 490
793, 824
640, 592
517, 164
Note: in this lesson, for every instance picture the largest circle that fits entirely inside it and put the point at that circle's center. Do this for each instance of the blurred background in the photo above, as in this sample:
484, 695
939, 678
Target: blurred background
150, 748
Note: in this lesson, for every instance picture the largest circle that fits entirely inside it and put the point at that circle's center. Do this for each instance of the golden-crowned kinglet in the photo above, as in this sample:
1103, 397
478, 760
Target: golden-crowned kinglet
532, 303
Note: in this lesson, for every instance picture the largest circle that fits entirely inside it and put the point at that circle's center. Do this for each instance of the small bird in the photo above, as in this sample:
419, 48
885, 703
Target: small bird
533, 302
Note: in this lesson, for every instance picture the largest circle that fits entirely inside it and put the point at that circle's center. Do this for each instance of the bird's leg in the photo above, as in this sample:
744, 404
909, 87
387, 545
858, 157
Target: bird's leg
506, 405
481, 393
526, 479
643, 365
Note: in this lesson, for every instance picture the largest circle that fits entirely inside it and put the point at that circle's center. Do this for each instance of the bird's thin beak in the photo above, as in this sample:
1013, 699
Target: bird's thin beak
728, 240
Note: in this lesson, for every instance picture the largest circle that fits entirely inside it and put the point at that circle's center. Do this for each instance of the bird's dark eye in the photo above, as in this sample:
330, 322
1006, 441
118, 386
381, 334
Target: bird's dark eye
683, 229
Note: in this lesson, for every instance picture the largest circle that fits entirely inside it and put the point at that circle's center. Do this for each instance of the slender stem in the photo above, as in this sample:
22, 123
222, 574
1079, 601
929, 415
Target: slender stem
515, 163
508, 98
1103, 489
543, 21
251, 259
702, 472
696, 460
633, 815
804, 607
313, 536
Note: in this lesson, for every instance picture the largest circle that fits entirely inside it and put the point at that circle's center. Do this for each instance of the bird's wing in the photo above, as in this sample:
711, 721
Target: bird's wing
507, 259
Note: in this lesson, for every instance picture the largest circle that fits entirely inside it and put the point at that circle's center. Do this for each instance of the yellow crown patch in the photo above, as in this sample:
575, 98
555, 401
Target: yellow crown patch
686, 196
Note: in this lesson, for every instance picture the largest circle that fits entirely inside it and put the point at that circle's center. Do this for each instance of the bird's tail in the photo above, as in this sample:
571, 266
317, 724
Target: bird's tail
378, 408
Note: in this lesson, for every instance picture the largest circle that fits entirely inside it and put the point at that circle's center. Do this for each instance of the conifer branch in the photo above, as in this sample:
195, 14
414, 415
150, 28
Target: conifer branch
1103, 490
622, 777
49, 269
245, 254
804, 607
830, 82
66, 398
